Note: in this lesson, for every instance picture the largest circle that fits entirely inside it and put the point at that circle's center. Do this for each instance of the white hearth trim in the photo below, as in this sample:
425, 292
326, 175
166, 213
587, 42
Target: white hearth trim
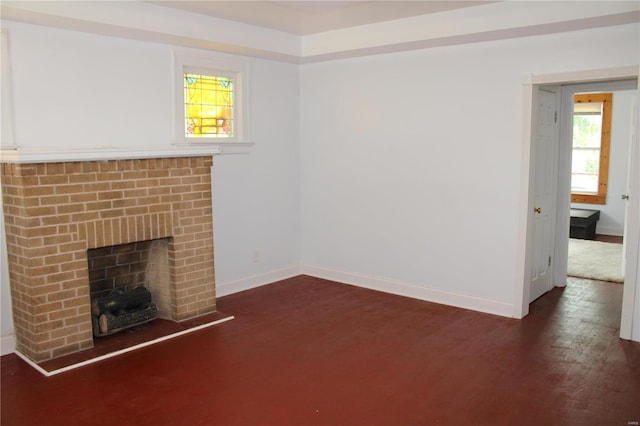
120, 352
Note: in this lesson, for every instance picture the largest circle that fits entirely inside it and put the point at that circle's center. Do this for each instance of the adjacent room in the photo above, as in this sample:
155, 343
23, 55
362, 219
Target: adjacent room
601, 145
334, 212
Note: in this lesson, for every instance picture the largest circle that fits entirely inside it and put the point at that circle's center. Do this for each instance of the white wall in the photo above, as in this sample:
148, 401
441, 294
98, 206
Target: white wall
410, 162
612, 213
399, 172
81, 90
7, 342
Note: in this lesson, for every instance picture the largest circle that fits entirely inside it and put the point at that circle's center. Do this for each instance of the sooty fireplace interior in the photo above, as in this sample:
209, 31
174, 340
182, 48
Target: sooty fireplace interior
128, 285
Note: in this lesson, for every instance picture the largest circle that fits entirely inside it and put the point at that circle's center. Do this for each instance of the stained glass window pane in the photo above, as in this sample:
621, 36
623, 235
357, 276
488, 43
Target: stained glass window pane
208, 106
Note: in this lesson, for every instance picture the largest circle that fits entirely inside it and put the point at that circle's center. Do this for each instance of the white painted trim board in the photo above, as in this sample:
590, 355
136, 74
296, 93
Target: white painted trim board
7, 344
120, 352
253, 281
399, 288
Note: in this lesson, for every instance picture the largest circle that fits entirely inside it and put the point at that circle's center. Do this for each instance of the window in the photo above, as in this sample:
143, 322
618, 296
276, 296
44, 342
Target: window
208, 106
590, 154
211, 102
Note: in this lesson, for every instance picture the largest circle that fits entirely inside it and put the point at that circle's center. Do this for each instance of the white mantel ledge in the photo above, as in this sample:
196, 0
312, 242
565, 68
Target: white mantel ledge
57, 155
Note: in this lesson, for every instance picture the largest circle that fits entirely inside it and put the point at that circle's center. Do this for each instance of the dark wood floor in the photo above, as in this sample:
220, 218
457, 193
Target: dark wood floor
306, 351
608, 238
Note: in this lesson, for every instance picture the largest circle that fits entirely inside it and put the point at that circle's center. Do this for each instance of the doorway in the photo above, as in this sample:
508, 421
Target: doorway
608, 214
603, 116
611, 79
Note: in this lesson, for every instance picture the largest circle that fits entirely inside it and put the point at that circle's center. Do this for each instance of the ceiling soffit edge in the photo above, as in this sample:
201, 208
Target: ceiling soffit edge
503, 34
166, 37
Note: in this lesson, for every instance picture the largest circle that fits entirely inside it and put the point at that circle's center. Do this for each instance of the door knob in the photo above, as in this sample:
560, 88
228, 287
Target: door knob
625, 196
537, 210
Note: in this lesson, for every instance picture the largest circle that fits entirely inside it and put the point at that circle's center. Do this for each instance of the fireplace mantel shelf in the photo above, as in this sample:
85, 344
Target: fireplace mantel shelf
46, 155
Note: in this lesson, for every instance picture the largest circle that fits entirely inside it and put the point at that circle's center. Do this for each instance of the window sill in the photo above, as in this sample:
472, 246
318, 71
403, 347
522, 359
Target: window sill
588, 199
223, 148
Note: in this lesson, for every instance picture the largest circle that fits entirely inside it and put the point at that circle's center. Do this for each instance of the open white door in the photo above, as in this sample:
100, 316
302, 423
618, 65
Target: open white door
546, 154
631, 227
534, 171
633, 153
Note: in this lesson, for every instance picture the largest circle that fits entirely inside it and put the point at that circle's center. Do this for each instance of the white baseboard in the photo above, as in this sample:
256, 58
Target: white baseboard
7, 344
411, 290
247, 283
606, 230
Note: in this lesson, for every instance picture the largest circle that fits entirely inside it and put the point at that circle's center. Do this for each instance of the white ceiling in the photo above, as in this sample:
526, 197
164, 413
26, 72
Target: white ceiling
311, 17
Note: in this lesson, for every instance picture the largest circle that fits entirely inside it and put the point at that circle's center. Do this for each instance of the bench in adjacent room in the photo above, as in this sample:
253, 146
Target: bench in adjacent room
583, 223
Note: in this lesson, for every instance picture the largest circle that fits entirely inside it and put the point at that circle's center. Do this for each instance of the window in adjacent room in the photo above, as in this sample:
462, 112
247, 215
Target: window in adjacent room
590, 154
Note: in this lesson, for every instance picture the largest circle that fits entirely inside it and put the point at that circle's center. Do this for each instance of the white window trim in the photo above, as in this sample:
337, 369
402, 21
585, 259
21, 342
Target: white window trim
211, 65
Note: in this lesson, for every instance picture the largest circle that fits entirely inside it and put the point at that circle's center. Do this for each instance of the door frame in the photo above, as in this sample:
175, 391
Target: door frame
525, 234
564, 182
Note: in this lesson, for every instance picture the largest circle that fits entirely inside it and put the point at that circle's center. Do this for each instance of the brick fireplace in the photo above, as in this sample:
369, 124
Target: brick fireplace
56, 211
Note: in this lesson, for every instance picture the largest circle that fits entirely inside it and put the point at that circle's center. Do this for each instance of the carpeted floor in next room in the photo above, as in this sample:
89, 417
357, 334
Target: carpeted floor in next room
597, 260
306, 351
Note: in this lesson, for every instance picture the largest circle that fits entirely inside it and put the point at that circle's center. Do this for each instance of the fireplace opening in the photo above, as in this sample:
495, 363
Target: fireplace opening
129, 285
